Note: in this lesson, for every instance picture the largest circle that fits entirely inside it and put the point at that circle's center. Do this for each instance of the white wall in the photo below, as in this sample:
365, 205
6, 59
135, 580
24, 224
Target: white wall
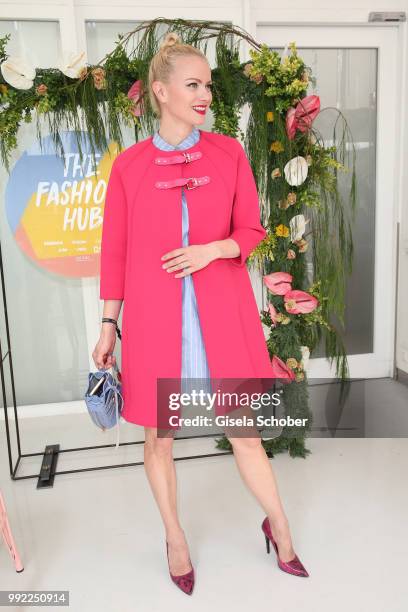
245, 13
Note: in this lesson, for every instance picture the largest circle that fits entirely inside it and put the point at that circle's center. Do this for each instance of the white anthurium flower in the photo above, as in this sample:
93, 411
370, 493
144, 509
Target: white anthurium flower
297, 226
72, 64
285, 53
312, 138
296, 171
18, 72
304, 362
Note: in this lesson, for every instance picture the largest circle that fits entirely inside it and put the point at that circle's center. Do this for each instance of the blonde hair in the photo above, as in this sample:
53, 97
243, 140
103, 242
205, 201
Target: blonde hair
162, 63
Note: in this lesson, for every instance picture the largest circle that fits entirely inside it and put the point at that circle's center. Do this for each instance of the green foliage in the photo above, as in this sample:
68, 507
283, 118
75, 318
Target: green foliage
264, 251
286, 79
227, 119
3, 45
228, 90
281, 444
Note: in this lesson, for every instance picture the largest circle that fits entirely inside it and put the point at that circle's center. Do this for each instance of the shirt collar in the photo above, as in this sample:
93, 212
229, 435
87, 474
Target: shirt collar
191, 139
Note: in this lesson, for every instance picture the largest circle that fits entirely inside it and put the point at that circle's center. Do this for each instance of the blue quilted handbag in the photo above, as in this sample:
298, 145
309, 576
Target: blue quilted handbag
104, 399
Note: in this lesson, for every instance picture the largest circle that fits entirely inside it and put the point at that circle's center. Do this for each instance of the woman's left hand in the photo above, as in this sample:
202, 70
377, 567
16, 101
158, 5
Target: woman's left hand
189, 259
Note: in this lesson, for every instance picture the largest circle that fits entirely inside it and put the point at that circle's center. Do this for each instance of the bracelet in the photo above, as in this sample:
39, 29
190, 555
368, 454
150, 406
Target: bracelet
108, 320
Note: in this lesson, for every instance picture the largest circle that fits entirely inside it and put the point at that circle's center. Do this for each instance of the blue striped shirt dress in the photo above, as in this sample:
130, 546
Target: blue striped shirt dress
194, 359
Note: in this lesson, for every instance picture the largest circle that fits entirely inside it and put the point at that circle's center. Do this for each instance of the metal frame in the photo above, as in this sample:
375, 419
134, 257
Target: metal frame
45, 478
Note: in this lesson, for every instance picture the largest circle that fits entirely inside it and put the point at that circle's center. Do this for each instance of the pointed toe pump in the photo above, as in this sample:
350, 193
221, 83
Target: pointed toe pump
294, 566
185, 582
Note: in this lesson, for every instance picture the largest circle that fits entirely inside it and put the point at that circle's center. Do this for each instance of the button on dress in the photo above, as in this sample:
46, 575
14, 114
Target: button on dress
194, 358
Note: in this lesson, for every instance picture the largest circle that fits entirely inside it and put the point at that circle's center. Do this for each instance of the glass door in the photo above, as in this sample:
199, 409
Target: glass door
356, 72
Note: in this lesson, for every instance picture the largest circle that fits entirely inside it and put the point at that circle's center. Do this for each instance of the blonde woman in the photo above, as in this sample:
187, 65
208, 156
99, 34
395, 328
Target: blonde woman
181, 217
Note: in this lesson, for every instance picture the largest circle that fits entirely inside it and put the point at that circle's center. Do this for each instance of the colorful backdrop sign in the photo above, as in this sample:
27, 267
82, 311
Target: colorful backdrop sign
55, 204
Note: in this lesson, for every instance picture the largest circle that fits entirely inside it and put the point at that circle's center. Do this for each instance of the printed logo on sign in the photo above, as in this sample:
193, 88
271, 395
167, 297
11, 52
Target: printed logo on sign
55, 203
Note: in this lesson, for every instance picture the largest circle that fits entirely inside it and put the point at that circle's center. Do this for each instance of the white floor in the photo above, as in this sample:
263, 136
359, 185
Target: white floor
99, 534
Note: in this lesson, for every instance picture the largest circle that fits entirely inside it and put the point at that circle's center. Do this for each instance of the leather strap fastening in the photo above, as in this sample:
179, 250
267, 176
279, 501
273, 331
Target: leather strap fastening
190, 183
178, 159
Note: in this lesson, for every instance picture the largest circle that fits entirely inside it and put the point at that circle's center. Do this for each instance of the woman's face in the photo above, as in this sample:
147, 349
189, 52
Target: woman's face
189, 87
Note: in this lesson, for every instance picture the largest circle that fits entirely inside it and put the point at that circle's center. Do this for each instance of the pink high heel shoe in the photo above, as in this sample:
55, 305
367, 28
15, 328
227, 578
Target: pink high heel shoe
185, 582
294, 566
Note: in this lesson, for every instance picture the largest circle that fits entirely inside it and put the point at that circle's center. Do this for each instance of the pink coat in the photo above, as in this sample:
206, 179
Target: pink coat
142, 221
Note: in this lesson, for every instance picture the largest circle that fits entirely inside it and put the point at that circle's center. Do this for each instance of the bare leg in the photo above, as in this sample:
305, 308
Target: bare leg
161, 473
256, 472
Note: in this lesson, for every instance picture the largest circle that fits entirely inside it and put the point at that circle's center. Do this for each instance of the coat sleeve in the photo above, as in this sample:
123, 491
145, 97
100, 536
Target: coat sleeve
114, 239
246, 227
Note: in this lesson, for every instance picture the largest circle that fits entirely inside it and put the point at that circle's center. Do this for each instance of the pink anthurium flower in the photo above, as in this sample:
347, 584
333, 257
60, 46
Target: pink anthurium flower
273, 313
134, 93
302, 117
291, 123
299, 302
281, 370
278, 283
306, 111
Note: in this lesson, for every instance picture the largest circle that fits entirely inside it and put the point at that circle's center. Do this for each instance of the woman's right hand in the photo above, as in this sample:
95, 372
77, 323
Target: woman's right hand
102, 353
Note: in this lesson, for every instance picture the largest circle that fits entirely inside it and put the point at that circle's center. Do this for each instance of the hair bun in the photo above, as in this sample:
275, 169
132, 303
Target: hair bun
170, 39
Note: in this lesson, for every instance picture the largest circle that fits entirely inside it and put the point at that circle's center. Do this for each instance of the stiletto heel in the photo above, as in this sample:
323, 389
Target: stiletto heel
185, 582
294, 566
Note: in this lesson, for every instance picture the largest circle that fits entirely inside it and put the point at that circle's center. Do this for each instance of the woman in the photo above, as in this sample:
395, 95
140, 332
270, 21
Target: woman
207, 323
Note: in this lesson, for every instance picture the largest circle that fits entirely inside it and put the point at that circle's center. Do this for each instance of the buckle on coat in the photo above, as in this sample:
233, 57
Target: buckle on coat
191, 185
187, 157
